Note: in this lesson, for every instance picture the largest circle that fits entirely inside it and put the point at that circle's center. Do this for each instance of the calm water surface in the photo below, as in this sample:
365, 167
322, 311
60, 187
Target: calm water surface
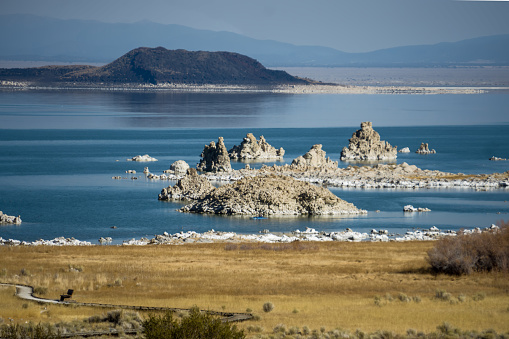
59, 150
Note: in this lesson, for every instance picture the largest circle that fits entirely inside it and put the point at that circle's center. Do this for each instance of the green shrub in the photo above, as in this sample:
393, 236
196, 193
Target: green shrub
196, 325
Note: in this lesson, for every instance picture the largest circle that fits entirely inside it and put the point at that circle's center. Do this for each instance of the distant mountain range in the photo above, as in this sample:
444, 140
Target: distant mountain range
158, 66
33, 38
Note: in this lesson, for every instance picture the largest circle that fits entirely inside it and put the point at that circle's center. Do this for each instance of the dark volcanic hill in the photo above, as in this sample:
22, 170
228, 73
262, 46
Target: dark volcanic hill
159, 65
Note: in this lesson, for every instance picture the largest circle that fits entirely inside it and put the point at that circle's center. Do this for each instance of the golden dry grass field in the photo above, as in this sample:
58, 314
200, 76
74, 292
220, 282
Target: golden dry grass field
366, 286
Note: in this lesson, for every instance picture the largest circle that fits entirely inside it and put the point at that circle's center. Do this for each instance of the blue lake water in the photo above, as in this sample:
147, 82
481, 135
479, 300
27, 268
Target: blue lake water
59, 150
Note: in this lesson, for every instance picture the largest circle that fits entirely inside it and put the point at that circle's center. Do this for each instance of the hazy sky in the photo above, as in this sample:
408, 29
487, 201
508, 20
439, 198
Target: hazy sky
347, 25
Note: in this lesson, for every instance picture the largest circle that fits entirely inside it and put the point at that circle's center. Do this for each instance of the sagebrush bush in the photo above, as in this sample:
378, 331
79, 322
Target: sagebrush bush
443, 295
114, 316
196, 325
404, 298
28, 331
467, 253
40, 290
479, 296
267, 307
123, 319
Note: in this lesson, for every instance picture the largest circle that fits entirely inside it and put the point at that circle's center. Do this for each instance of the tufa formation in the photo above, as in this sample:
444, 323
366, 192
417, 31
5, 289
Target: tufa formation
214, 158
250, 148
365, 145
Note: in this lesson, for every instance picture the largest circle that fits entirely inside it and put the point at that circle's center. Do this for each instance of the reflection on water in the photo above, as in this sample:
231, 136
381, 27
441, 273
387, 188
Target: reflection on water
127, 110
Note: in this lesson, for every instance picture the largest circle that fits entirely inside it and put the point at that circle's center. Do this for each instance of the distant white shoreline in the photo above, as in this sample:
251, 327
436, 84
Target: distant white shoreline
284, 89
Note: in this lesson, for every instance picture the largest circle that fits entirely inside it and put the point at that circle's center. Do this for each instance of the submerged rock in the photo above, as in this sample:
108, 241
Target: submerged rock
250, 148
145, 157
214, 158
494, 158
191, 187
424, 149
410, 208
365, 144
271, 195
315, 157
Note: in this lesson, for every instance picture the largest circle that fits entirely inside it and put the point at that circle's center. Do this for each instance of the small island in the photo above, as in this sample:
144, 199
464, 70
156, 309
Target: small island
9, 219
157, 67
269, 195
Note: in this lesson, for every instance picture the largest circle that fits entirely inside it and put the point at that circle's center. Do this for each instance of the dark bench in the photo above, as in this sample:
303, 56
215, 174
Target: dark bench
65, 296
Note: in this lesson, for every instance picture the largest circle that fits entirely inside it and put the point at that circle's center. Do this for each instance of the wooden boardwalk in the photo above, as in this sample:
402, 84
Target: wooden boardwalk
26, 292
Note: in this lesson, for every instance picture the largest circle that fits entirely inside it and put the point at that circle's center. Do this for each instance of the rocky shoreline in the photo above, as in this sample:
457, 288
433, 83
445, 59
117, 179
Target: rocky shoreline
392, 176
381, 176
308, 235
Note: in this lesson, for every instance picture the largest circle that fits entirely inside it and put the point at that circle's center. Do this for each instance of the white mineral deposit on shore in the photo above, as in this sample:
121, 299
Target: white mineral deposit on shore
292, 89
379, 176
60, 241
310, 234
